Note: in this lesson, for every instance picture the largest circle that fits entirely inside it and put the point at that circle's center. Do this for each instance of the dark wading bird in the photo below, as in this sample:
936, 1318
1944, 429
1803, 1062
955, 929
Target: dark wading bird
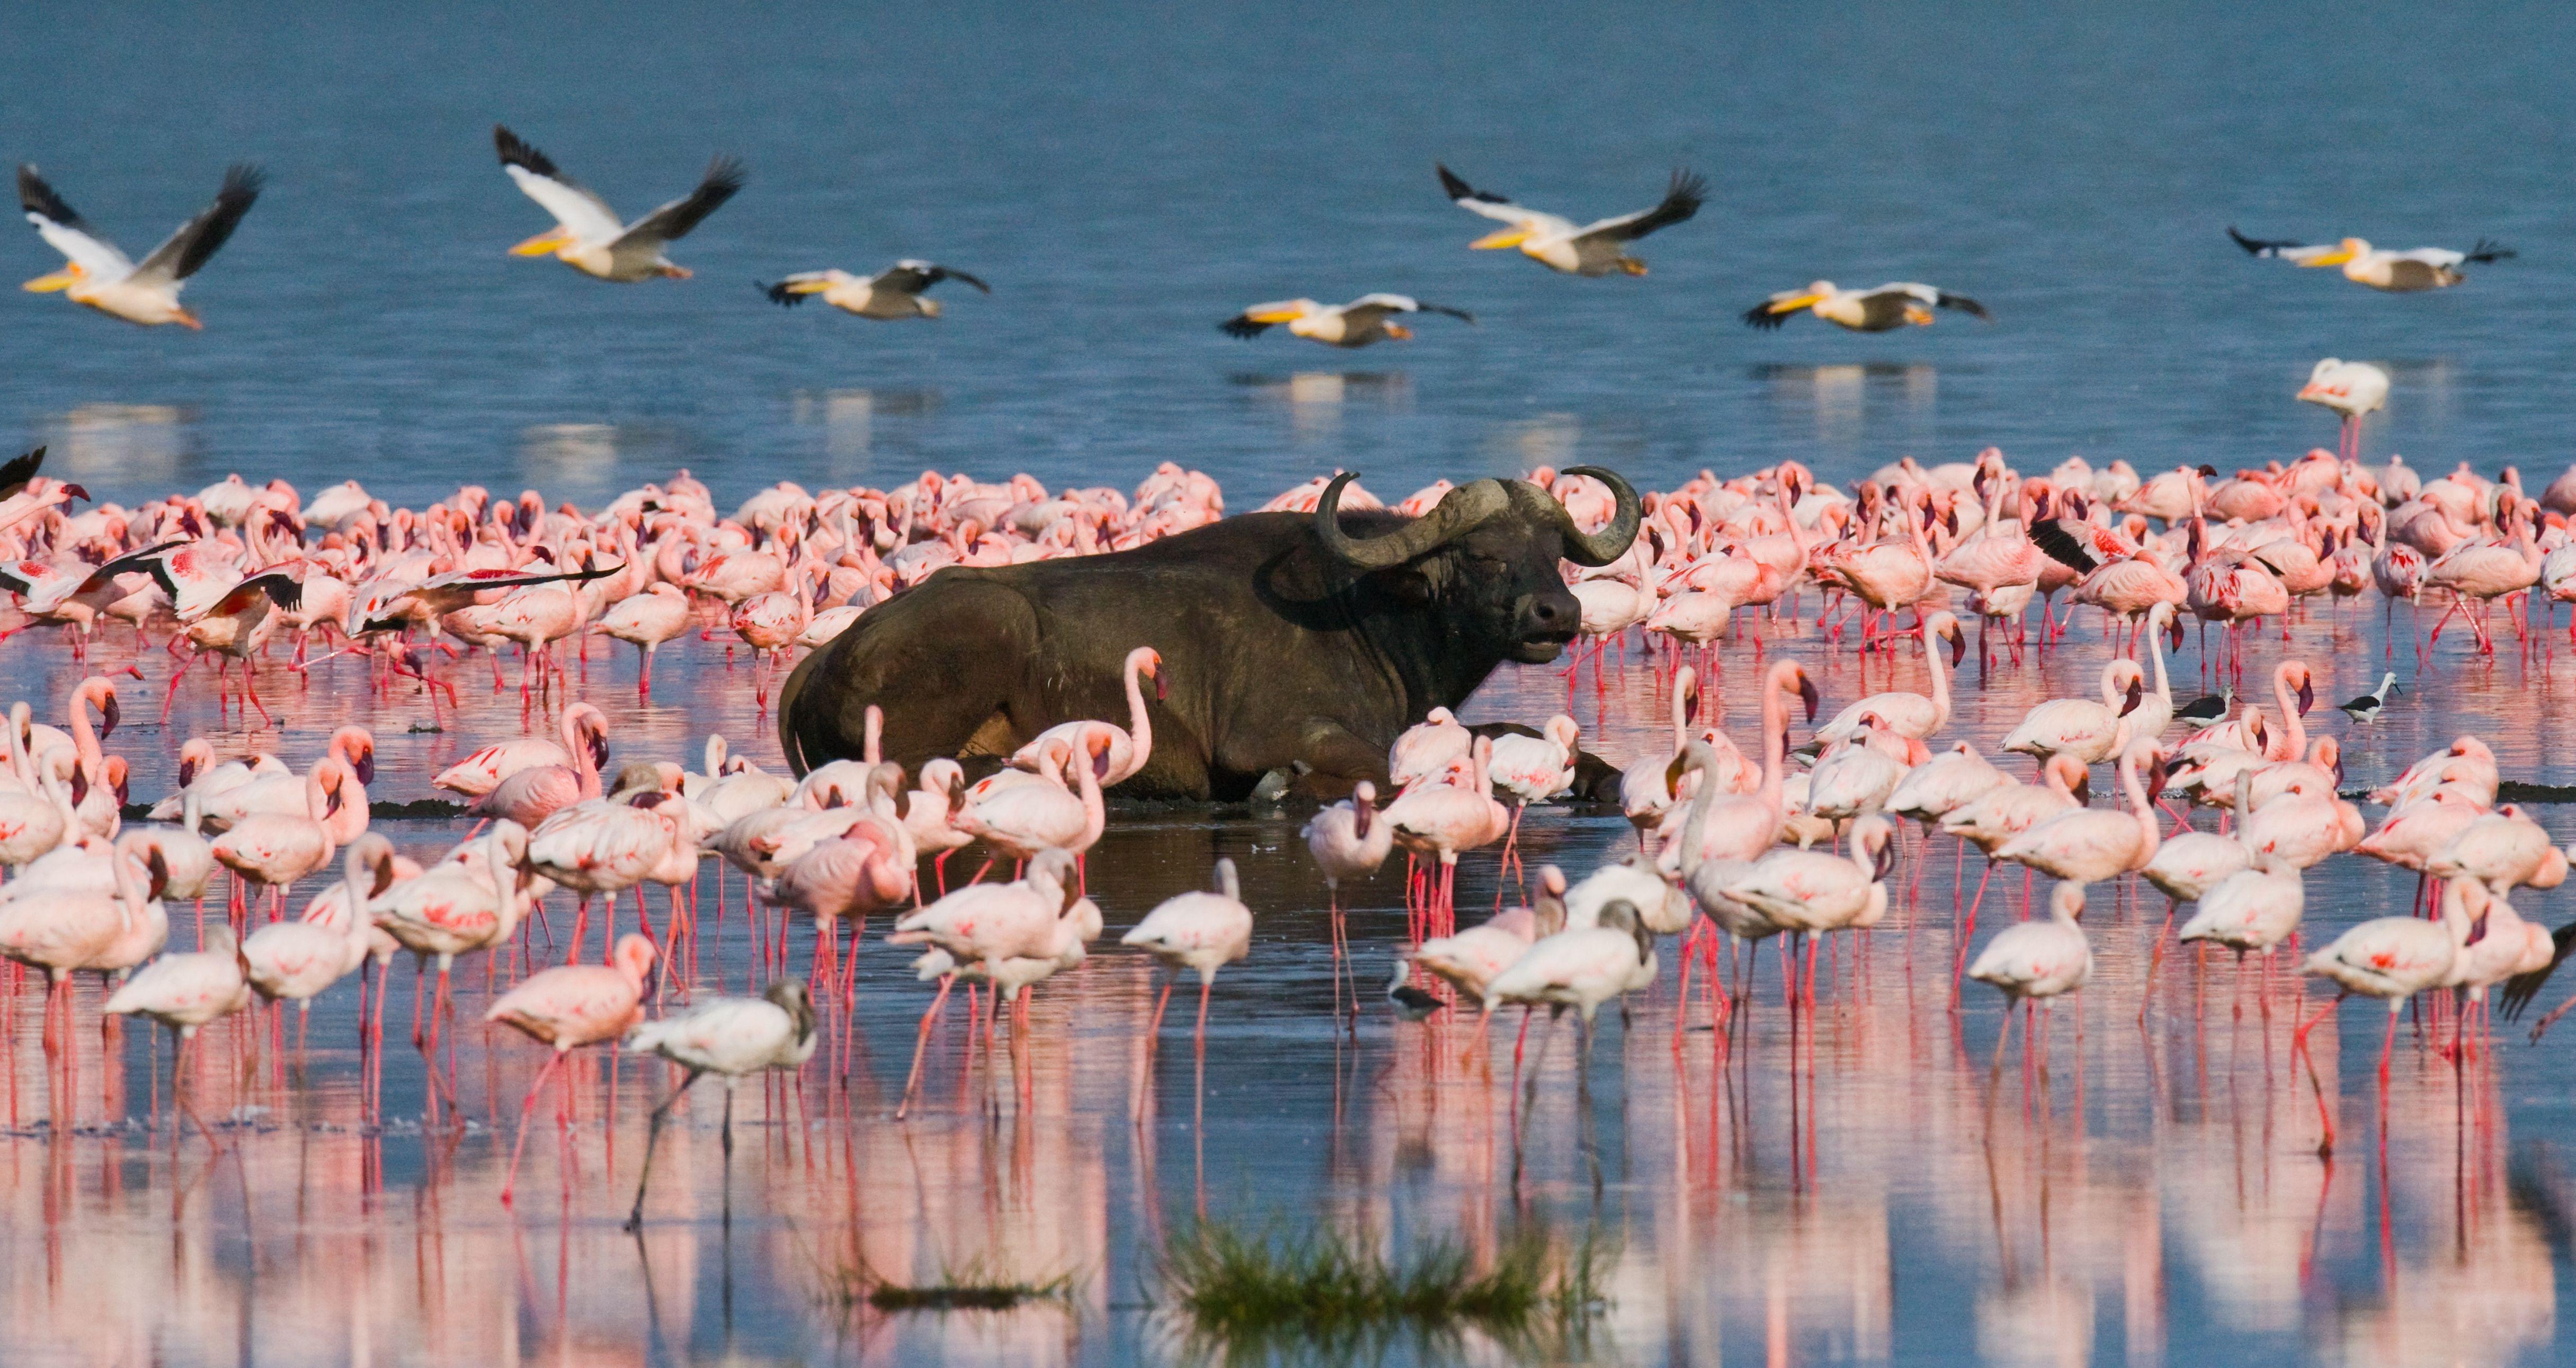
1561, 244
588, 235
95, 273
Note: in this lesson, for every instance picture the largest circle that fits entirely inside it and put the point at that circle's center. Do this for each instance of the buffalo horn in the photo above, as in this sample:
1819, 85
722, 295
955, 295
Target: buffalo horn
1462, 508
1608, 544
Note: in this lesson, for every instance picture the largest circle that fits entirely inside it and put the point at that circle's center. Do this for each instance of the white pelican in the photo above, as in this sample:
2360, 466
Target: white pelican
2424, 268
2351, 388
587, 235
1357, 324
895, 292
1591, 249
100, 276
1890, 306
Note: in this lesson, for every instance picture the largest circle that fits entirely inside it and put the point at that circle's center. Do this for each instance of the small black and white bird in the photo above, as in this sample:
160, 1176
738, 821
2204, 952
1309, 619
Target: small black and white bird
2366, 708
1410, 1003
1890, 306
1367, 319
2206, 709
899, 291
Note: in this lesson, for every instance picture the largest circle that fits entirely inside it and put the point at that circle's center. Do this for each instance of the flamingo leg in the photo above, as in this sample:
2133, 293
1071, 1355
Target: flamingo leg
527, 1109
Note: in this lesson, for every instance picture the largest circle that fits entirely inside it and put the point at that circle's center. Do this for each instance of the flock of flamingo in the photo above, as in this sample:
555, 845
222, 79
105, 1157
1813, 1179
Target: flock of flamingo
1736, 847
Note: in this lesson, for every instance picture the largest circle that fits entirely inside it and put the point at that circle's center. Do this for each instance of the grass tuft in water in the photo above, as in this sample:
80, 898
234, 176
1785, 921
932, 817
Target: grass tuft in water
1330, 1287
974, 1287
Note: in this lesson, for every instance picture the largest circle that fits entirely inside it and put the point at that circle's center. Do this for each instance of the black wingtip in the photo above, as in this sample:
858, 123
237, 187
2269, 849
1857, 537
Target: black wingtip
1760, 316
2486, 250
725, 176
518, 151
1688, 189
15, 475
1240, 326
1963, 304
2062, 547
779, 294
37, 197
1461, 190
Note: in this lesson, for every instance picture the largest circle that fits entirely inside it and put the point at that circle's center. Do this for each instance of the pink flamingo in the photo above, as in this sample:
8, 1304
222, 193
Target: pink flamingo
2037, 960
989, 925
1024, 819
570, 1006
483, 771
185, 992
2094, 845
1347, 841
1441, 819
2389, 958
1200, 931
274, 849
531, 795
1129, 747
1426, 748
659, 614
294, 961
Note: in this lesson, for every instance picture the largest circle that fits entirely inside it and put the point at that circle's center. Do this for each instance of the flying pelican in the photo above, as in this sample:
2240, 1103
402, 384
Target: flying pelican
100, 276
895, 292
2425, 268
1356, 324
1592, 249
587, 235
1888, 307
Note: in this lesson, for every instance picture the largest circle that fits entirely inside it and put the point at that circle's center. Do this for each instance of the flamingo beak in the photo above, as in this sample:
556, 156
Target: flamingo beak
1884, 863
2084, 789
1958, 647
107, 714
187, 773
366, 767
2477, 931
2156, 777
80, 786
158, 865
1807, 694
2307, 695
2137, 693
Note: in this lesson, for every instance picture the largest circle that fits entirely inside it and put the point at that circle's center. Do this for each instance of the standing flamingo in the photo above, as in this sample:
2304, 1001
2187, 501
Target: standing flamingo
567, 1007
185, 992
731, 1037
1130, 747
1347, 841
2389, 958
2037, 960
1201, 931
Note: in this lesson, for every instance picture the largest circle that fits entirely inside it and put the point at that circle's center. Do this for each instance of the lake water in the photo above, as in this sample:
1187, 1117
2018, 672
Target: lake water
1126, 176
1124, 179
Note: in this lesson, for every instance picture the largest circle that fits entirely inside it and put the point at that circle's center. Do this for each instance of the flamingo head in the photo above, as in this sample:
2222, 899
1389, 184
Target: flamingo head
790, 996
114, 773
1946, 627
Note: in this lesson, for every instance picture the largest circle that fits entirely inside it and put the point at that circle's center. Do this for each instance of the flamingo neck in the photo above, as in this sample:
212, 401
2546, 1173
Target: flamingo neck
1140, 724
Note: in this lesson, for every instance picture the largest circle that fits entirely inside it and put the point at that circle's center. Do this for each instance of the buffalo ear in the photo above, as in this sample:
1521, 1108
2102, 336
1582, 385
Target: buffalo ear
1407, 584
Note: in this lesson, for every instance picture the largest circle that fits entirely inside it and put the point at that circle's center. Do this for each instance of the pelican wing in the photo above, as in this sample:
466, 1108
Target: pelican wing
62, 229
1937, 298
1476, 201
673, 221
19, 472
581, 211
912, 277
180, 256
1681, 200
2282, 248
1382, 304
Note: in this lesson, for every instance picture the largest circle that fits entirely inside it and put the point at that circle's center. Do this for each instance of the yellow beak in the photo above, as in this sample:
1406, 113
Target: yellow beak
808, 286
543, 244
1506, 237
63, 279
1796, 302
1277, 316
2337, 257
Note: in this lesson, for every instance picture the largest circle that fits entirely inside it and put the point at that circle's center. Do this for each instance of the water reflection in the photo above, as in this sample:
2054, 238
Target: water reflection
142, 442
1841, 397
1315, 399
1857, 1184
849, 419
1549, 439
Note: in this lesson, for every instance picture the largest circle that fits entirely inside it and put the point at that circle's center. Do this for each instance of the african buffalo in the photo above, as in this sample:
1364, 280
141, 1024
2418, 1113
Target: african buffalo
1286, 640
